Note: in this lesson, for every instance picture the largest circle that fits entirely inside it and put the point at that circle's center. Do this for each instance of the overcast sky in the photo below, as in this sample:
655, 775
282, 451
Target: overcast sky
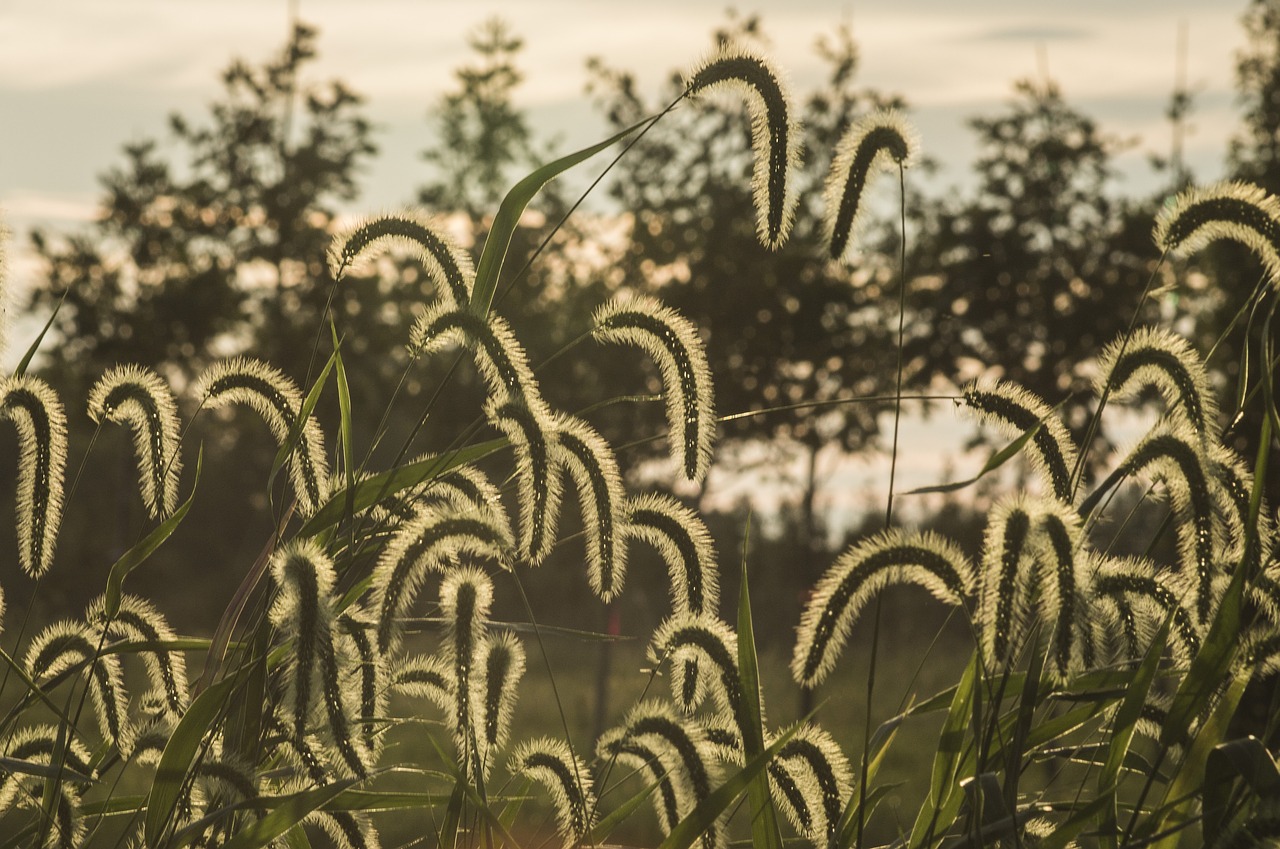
78, 78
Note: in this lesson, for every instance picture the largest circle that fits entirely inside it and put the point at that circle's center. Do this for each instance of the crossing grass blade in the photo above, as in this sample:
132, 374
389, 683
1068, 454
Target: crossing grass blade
35, 345
764, 819
287, 813
344, 426
497, 243
600, 833
943, 801
288, 446
1243, 759
995, 461
135, 556
373, 489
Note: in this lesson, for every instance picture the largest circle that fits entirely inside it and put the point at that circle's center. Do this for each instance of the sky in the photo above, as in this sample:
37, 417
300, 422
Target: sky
80, 78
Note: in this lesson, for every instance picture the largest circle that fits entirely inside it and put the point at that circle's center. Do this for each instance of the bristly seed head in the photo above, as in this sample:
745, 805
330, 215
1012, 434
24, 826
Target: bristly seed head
1230, 210
880, 141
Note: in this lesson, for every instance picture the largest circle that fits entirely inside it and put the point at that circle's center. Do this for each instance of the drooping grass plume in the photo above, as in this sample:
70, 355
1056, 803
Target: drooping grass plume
501, 360
34, 408
593, 468
1015, 411
273, 396
356, 629
36, 745
714, 645
66, 644
1171, 453
674, 344
139, 621
303, 610
1232, 210
139, 398
538, 486
425, 677
880, 141
466, 594
424, 545
554, 765
1150, 597
892, 557
671, 798
446, 264
683, 542
685, 751
824, 777
1033, 572
1161, 358
1234, 488
499, 666
775, 132
347, 829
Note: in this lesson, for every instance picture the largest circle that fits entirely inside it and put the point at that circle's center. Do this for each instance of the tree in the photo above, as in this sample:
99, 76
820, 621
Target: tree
1039, 268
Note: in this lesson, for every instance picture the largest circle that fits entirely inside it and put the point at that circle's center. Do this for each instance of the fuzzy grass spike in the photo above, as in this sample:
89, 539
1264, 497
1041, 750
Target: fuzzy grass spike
554, 765
593, 468
446, 264
139, 398
1015, 411
775, 132
34, 408
1232, 210
881, 141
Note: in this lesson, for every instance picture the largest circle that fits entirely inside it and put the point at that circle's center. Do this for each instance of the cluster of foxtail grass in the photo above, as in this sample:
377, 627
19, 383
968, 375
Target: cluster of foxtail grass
1125, 670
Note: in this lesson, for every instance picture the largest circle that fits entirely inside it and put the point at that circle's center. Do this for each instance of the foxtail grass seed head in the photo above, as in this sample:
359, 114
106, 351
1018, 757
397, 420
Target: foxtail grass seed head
775, 132
713, 644
880, 141
1015, 411
66, 644
1134, 586
446, 264
554, 765
466, 594
674, 344
499, 666
36, 745
37, 414
1158, 357
427, 677
428, 544
139, 398
824, 777
138, 621
590, 464
892, 557
538, 485
1232, 210
683, 542
273, 396
640, 755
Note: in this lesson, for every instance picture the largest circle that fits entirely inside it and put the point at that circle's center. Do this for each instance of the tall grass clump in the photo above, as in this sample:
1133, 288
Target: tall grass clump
1096, 708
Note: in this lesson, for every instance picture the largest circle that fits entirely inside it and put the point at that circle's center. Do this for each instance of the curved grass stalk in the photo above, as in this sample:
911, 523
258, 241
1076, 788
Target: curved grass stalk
140, 398
423, 545
273, 396
891, 557
880, 141
674, 344
1230, 210
1015, 411
1157, 357
592, 466
501, 360
446, 264
499, 664
554, 765
138, 620
303, 610
65, 644
538, 486
775, 132
34, 408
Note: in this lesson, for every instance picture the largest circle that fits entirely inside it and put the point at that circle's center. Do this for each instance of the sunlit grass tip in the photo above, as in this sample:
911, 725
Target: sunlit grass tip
1154, 356
466, 594
671, 798
273, 396
138, 620
499, 666
862, 571
1143, 597
1015, 410
1242, 212
538, 485
36, 745
499, 357
591, 465
67, 644
674, 344
34, 408
446, 264
713, 644
140, 398
554, 765
684, 543
775, 132
823, 776
880, 141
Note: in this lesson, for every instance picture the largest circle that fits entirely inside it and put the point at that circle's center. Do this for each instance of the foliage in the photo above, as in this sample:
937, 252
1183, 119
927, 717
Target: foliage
1122, 672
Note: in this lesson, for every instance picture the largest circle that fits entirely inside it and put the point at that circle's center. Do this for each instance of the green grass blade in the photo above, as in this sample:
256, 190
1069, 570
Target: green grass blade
179, 754
994, 462
765, 833
369, 491
344, 421
513, 205
624, 812
1245, 758
288, 812
135, 556
943, 800
704, 815
295, 433
35, 346
448, 836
